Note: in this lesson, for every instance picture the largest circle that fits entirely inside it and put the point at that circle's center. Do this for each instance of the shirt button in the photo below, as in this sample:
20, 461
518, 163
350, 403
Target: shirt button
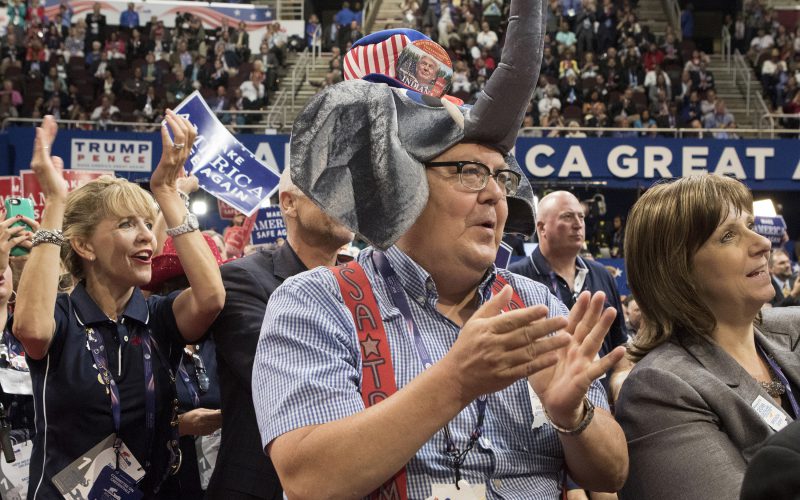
486, 442
421, 299
429, 285
496, 483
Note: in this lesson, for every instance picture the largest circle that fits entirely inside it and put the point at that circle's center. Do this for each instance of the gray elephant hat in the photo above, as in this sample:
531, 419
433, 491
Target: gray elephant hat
359, 147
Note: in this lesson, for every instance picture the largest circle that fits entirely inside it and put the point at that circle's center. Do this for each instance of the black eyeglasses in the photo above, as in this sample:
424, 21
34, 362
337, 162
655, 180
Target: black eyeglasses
475, 175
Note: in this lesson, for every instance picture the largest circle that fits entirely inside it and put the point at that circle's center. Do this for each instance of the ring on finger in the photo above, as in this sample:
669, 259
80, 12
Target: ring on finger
178, 147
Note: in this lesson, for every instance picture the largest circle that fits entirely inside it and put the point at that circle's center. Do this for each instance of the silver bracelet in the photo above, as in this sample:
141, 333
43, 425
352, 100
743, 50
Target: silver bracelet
184, 197
582, 425
53, 236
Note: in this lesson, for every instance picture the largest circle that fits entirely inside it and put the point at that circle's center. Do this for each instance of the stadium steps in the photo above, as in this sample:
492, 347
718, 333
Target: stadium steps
390, 15
651, 13
735, 95
305, 88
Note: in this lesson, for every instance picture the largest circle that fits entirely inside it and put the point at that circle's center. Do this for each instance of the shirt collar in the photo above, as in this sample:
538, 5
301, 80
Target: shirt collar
541, 266
89, 313
286, 262
417, 282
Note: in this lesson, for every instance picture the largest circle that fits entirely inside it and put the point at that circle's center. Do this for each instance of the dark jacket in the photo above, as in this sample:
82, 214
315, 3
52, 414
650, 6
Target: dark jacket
598, 279
773, 471
242, 466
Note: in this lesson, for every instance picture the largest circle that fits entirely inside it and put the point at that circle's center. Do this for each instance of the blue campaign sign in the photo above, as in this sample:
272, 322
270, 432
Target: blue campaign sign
269, 226
772, 228
639, 162
225, 167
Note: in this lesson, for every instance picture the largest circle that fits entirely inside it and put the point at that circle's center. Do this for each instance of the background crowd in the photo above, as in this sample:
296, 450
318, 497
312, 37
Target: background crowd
131, 69
602, 66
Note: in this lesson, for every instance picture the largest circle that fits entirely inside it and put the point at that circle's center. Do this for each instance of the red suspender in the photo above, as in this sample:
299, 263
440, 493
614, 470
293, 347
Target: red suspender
516, 302
377, 380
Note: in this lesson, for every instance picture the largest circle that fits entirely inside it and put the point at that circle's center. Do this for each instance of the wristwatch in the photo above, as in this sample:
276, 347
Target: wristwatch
189, 224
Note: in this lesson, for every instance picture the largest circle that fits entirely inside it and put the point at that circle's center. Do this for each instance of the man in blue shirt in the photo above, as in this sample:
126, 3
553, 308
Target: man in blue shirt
345, 16
129, 19
687, 22
475, 386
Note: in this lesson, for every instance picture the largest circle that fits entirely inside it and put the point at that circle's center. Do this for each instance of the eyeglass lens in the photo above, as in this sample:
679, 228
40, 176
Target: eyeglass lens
476, 176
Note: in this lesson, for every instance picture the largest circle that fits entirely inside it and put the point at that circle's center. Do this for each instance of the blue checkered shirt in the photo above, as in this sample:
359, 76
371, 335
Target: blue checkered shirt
307, 371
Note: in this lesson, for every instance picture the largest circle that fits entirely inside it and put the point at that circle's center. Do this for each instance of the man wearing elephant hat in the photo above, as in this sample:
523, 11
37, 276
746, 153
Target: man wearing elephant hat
421, 369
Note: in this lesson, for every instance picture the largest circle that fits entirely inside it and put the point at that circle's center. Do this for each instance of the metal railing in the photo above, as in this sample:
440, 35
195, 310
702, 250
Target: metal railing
742, 78
316, 47
300, 69
370, 13
768, 128
139, 126
769, 121
276, 113
639, 133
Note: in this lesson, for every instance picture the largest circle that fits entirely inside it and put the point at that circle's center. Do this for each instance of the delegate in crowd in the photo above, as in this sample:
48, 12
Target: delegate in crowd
419, 368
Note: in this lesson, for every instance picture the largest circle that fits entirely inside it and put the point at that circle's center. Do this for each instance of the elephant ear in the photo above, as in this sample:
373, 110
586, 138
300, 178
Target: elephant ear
357, 151
498, 112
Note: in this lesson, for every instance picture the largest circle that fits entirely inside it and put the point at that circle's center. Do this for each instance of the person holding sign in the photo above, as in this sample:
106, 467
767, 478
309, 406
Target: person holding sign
103, 358
714, 379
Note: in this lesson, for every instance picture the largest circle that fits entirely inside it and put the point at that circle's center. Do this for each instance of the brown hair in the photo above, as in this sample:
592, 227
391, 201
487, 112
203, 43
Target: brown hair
106, 196
666, 227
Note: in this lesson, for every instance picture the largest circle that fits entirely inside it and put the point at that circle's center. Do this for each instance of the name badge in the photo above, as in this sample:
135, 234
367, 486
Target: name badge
539, 417
14, 476
16, 382
114, 484
464, 491
77, 479
770, 413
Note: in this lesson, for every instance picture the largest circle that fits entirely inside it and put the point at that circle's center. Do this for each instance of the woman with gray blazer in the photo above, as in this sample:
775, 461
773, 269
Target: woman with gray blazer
714, 377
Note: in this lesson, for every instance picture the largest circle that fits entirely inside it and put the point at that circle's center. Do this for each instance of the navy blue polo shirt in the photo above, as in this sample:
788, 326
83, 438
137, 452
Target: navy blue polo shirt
73, 411
597, 279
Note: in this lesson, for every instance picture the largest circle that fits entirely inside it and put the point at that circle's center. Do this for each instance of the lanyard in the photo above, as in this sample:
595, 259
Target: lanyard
98, 350
783, 379
456, 455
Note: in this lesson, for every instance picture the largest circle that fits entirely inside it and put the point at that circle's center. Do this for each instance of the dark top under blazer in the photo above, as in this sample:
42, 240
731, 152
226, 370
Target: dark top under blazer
242, 465
687, 416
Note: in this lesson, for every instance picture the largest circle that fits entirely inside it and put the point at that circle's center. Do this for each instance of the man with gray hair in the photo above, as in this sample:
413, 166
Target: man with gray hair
312, 239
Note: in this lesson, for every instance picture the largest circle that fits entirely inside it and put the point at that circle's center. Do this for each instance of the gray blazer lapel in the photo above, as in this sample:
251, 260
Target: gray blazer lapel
725, 368
714, 359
